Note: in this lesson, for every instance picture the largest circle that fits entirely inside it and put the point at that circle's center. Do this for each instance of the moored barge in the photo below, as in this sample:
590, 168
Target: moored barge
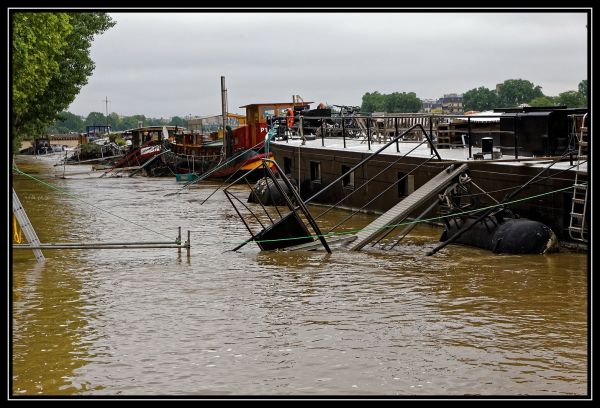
504, 152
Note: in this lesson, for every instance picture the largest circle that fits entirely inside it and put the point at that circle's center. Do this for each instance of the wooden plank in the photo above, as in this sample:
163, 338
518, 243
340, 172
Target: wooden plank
405, 207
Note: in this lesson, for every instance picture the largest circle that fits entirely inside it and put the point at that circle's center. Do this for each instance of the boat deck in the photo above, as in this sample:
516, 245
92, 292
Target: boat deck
454, 155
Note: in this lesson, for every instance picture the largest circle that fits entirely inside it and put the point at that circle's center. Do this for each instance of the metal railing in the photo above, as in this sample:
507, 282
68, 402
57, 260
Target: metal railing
443, 130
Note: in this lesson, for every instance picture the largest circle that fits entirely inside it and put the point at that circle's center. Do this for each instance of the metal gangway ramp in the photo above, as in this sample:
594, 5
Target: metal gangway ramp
404, 208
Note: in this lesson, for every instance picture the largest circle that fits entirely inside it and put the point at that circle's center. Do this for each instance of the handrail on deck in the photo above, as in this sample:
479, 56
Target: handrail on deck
366, 159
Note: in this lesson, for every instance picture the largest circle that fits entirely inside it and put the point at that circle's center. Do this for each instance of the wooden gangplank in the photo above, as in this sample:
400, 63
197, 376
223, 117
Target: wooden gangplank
404, 208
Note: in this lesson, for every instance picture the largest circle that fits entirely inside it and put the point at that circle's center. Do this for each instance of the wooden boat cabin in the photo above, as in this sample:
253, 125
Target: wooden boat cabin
257, 116
144, 134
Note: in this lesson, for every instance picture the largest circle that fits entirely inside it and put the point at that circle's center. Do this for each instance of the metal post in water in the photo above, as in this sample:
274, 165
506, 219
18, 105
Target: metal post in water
179, 241
188, 244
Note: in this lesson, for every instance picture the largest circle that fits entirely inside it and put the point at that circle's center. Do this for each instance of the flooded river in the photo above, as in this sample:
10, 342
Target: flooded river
151, 322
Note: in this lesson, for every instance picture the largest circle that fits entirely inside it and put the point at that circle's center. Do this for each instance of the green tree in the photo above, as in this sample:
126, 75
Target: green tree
480, 99
178, 121
50, 64
514, 92
542, 101
38, 40
571, 99
130, 122
402, 102
95, 118
373, 102
394, 102
66, 123
114, 121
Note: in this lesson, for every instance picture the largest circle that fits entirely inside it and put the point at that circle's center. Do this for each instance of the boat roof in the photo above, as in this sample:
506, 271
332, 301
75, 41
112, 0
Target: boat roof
482, 117
460, 155
154, 128
278, 103
229, 114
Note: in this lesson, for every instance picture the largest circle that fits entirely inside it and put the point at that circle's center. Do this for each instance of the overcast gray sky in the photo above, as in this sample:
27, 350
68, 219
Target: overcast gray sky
163, 64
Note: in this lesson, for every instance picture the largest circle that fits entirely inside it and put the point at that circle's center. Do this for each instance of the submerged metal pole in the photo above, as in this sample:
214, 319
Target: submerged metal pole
188, 245
179, 240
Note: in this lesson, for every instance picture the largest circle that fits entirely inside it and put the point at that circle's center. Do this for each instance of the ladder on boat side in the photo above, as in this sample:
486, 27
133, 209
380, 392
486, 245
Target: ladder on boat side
578, 228
26, 226
404, 208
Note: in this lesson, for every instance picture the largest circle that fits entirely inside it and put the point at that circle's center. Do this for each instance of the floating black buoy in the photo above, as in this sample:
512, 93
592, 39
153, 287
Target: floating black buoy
266, 193
510, 236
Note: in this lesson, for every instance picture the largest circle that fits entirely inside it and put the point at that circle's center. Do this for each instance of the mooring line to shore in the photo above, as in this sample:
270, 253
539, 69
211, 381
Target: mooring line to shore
85, 202
328, 235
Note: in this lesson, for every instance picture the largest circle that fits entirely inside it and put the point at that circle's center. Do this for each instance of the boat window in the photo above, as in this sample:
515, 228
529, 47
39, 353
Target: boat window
315, 171
267, 111
283, 111
348, 180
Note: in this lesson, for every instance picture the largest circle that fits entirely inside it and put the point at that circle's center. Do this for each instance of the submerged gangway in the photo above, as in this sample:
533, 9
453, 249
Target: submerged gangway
290, 231
406, 207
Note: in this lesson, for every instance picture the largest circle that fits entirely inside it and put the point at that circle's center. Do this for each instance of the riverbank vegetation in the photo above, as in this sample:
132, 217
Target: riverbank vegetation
50, 62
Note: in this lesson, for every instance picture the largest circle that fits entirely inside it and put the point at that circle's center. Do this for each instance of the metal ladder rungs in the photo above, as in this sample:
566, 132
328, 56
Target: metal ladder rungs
577, 229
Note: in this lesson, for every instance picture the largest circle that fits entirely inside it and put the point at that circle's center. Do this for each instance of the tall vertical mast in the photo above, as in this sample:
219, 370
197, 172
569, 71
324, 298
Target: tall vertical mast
106, 103
224, 114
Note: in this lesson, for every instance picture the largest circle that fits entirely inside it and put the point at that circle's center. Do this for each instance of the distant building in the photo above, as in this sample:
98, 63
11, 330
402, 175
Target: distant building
430, 104
452, 103
448, 104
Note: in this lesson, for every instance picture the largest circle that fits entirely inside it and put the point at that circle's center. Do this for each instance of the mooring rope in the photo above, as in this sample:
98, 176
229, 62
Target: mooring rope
85, 202
327, 235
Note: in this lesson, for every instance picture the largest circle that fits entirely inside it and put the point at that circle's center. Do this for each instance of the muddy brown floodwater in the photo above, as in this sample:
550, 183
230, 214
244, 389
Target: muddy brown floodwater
151, 322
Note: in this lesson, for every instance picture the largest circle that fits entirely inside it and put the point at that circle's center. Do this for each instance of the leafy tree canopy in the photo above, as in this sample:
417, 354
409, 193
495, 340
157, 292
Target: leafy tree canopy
571, 99
514, 92
480, 99
395, 102
542, 101
50, 64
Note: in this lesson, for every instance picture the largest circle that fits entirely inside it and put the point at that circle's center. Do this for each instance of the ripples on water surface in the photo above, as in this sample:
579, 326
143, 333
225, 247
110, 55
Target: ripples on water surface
150, 322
